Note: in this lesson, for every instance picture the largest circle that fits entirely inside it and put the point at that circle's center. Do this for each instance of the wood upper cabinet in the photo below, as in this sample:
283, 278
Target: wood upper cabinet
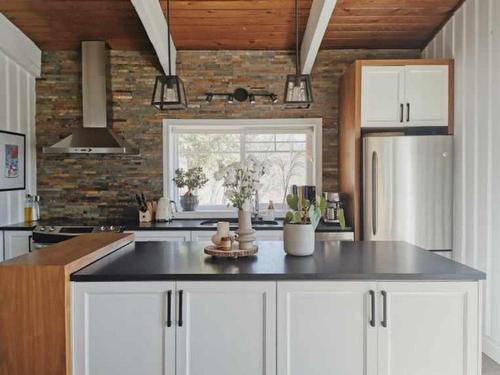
396, 95
324, 328
404, 96
430, 328
226, 328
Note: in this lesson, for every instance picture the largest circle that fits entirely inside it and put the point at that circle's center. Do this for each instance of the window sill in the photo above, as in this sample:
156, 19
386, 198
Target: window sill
217, 214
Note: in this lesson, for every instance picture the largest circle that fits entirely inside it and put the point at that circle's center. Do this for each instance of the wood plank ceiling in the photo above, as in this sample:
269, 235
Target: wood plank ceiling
229, 24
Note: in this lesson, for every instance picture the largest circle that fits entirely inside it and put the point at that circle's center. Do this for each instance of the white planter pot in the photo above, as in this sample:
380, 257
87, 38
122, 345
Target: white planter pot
298, 239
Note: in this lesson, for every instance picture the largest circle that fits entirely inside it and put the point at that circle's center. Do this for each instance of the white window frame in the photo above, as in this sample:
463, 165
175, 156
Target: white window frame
170, 153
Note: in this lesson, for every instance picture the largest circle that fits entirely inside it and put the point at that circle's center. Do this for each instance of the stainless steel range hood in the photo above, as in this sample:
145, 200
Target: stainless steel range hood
94, 137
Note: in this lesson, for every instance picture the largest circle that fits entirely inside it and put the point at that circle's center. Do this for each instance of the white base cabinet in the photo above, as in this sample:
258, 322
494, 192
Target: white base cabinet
323, 328
206, 235
227, 328
384, 328
161, 235
16, 243
276, 328
219, 328
431, 329
121, 328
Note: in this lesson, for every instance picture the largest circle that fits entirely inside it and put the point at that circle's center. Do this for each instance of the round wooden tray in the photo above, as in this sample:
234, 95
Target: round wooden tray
233, 253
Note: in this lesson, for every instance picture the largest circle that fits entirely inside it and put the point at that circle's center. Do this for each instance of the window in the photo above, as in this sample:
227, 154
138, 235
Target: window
289, 149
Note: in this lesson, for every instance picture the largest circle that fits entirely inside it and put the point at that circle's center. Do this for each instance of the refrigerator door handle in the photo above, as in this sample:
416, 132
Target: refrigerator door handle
374, 191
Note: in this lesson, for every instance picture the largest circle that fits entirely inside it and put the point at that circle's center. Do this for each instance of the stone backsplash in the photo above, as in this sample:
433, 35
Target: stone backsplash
100, 186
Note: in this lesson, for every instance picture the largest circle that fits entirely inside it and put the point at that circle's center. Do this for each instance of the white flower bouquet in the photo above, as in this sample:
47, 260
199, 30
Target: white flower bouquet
240, 180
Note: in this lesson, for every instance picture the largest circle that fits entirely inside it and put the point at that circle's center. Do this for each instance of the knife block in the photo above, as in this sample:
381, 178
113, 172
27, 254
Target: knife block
145, 217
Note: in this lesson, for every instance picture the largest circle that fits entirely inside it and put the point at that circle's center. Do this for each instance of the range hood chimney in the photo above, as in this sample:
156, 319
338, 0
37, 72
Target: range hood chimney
94, 137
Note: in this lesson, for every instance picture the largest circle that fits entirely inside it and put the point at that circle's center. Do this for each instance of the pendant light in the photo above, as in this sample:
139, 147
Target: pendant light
298, 90
169, 90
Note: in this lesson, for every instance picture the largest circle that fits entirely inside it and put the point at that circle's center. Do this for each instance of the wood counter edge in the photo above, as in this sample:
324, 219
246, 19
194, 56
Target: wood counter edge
35, 303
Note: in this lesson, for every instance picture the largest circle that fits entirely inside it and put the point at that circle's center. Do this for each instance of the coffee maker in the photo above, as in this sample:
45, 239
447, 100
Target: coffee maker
333, 204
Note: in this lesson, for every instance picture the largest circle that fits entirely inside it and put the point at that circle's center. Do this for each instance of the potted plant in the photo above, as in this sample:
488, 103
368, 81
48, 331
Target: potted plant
301, 223
240, 180
193, 178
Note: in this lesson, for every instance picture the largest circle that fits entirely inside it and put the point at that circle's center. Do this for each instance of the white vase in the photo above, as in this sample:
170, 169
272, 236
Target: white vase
222, 231
246, 234
298, 239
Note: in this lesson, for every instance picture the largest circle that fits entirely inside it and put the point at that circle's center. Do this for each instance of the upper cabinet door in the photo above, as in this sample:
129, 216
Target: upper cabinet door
327, 327
382, 96
428, 328
123, 328
226, 328
426, 95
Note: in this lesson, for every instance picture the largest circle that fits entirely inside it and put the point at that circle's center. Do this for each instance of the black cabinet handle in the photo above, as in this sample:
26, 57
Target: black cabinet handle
169, 308
401, 116
30, 238
407, 112
372, 299
180, 308
384, 308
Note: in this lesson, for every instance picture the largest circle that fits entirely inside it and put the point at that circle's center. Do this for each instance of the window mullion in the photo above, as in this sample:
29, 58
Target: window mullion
243, 147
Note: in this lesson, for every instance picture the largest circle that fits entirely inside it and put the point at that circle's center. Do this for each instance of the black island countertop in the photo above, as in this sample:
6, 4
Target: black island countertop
153, 261
176, 224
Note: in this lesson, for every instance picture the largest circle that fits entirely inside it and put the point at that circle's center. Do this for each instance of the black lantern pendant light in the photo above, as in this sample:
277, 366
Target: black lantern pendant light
169, 90
298, 90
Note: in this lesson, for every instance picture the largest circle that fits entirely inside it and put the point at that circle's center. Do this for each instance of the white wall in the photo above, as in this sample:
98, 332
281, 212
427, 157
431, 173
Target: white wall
472, 38
18, 68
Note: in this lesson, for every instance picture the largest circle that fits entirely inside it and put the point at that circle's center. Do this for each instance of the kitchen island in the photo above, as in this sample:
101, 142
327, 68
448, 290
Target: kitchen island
350, 308
103, 304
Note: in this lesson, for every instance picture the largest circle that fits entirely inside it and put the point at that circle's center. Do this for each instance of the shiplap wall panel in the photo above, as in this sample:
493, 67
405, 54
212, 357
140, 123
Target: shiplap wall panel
472, 38
17, 114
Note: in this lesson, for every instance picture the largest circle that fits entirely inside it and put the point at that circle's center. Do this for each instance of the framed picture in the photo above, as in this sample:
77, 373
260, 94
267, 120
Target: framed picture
12, 161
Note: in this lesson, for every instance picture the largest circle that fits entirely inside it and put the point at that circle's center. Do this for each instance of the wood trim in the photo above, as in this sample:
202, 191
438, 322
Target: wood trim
349, 145
350, 141
396, 62
35, 316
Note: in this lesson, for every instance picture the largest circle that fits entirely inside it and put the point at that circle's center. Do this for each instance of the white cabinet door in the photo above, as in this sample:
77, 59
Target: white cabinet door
326, 327
16, 243
202, 235
382, 96
261, 235
426, 95
431, 328
163, 235
121, 328
269, 235
227, 328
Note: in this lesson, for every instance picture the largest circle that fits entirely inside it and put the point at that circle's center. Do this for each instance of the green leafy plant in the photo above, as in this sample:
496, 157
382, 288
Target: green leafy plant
193, 178
305, 212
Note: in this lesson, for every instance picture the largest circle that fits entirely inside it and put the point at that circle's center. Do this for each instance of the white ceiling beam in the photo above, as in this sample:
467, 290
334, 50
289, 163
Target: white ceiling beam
18, 47
156, 26
319, 17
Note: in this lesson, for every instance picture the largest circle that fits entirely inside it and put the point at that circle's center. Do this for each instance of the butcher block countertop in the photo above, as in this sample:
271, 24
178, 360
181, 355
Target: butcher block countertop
35, 300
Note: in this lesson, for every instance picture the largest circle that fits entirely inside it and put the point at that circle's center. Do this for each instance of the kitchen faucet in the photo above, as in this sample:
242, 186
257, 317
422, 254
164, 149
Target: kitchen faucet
256, 213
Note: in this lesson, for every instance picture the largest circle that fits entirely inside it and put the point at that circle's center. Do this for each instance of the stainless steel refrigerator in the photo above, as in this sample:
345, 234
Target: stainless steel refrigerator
408, 190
